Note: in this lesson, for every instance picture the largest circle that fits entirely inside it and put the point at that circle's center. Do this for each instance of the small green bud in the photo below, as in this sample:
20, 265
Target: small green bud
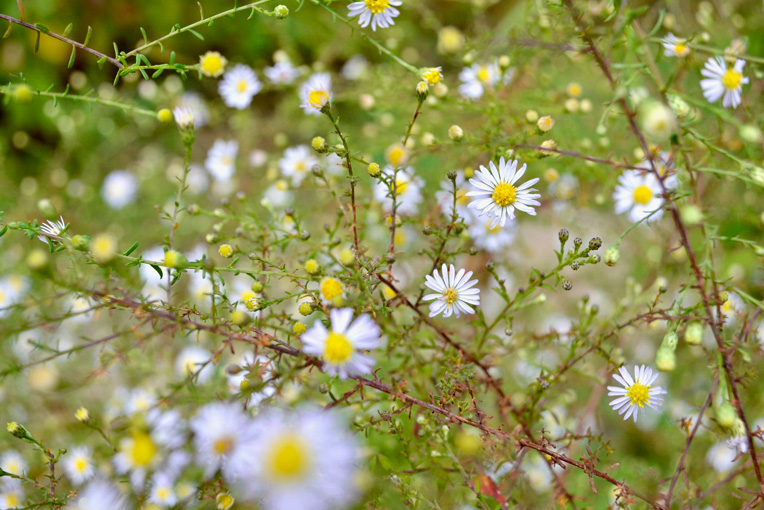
374, 170
257, 287
319, 144
422, 89
665, 359
612, 255
306, 309
595, 243
456, 133
281, 11
564, 235
174, 260
693, 335
670, 340
726, 415
193, 209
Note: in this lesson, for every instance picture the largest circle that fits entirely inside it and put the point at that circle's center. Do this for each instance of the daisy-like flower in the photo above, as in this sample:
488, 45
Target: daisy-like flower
281, 73
221, 159
355, 67
119, 189
432, 75
479, 77
162, 492
11, 494
238, 86
454, 292
379, 13
408, 191
221, 431
316, 93
12, 462
192, 361
674, 46
497, 193
636, 392
78, 465
300, 459
297, 163
100, 494
194, 102
52, 228
138, 454
339, 346
212, 64
664, 164
492, 239
184, 116
639, 194
723, 83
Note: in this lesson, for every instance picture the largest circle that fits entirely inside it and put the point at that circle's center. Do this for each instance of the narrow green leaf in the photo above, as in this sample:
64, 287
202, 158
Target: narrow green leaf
87, 38
158, 270
197, 34
131, 249
68, 29
4, 230
37, 43
71, 57
145, 37
42, 28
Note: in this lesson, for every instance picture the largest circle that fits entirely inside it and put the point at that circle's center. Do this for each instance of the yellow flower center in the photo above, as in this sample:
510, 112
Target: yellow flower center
11, 500
396, 154
338, 348
142, 450
331, 288
731, 79
643, 195
241, 86
222, 445
504, 194
300, 166
639, 394
81, 464
451, 295
163, 493
212, 64
432, 76
287, 459
400, 186
681, 49
377, 6
491, 230
484, 74
318, 98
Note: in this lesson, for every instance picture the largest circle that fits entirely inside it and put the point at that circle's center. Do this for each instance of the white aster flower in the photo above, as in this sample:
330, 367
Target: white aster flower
497, 193
184, 116
355, 67
281, 73
339, 346
52, 228
479, 77
193, 361
99, 495
639, 194
221, 431
721, 457
221, 159
636, 392
138, 454
408, 191
723, 83
664, 164
674, 46
194, 102
445, 196
11, 494
732, 307
78, 465
300, 459
162, 491
278, 194
12, 462
316, 93
379, 13
297, 163
454, 292
238, 86
119, 189
168, 428
487, 236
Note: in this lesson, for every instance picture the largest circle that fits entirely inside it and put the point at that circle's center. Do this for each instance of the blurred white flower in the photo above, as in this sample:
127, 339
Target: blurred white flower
408, 191
221, 159
119, 189
238, 86
316, 93
297, 163
281, 73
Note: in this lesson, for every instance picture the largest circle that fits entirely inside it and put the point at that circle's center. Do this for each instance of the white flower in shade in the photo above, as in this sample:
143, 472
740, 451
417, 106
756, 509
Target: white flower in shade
487, 236
297, 163
265, 370
479, 77
408, 191
162, 491
198, 108
119, 189
11, 494
221, 431
221, 159
636, 392
339, 346
664, 165
278, 194
732, 307
445, 196
194, 362
639, 194
721, 457
674, 46
379, 13
12, 462
334, 165
454, 292
78, 465
497, 193
281, 73
316, 93
238, 86
52, 228
139, 401
138, 454
184, 116
300, 459
168, 428
99, 495
723, 83
355, 67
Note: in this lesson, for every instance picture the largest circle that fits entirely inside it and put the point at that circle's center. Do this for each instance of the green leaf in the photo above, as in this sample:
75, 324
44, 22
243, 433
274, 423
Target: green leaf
42, 28
197, 34
158, 270
131, 249
68, 29
71, 57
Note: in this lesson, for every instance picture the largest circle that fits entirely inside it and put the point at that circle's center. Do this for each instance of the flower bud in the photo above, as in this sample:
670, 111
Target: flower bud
564, 235
224, 501
239, 317
595, 243
422, 89
174, 260
225, 251
312, 266
82, 415
257, 287
165, 115
612, 255
545, 124
81, 243
306, 309
18, 430
299, 328
693, 335
319, 144
374, 170
23, 93
347, 258
670, 340
103, 248
665, 359
455, 133
725, 415
281, 11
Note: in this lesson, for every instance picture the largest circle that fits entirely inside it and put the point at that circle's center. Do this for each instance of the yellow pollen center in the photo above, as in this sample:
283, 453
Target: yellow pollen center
484, 74
491, 230
163, 493
639, 394
680, 49
300, 166
288, 458
331, 288
338, 348
318, 98
377, 6
143, 449
241, 86
643, 195
731, 80
504, 194
222, 445
400, 186
432, 76
451, 295
11, 500
212, 64
81, 464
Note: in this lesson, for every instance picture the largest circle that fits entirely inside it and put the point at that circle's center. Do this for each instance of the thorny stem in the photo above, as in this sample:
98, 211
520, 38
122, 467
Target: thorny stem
174, 219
